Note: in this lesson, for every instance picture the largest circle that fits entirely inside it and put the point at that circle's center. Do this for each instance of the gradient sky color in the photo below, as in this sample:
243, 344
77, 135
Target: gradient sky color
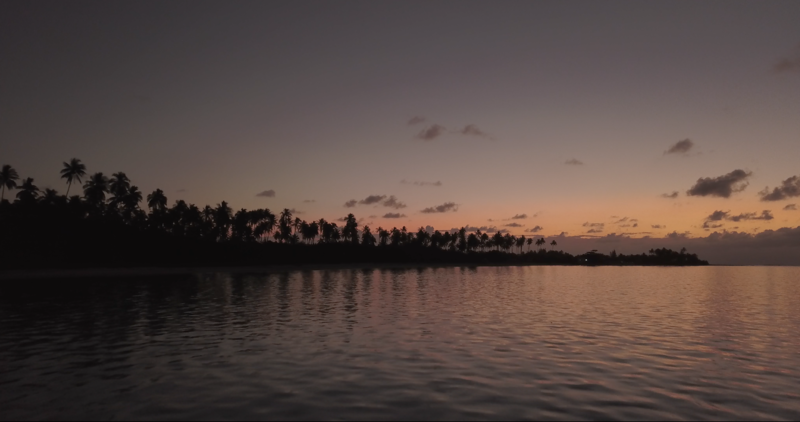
561, 111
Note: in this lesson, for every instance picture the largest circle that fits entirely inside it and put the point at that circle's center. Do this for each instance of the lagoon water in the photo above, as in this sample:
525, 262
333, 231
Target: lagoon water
427, 343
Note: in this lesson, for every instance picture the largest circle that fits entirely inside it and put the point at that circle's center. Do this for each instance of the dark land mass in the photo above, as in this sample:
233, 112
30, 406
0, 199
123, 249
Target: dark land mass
106, 228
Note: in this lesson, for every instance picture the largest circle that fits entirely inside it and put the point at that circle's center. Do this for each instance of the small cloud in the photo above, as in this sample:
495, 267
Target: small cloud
447, 206
372, 199
393, 215
789, 64
519, 217
266, 194
672, 195
416, 120
431, 132
351, 203
514, 225
681, 147
790, 207
789, 188
536, 229
595, 225
392, 202
296, 211
594, 231
417, 183
472, 130
676, 235
182, 190
722, 186
573, 162
718, 216
658, 226
309, 201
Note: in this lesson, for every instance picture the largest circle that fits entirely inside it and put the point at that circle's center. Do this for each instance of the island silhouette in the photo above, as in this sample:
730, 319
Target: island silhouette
106, 227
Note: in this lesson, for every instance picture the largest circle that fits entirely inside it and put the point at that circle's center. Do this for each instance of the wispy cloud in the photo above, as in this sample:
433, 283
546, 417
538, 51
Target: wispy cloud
718, 216
681, 147
266, 194
392, 202
416, 120
790, 207
372, 199
573, 162
790, 63
536, 229
447, 206
672, 195
394, 215
514, 225
658, 226
722, 186
519, 217
472, 130
309, 201
419, 183
790, 188
431, 133
351, 203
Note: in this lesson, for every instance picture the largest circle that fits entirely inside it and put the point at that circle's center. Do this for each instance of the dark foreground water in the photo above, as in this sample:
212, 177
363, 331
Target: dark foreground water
434, 343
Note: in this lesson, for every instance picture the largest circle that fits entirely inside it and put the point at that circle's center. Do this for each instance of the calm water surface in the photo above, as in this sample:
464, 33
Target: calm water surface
440, 343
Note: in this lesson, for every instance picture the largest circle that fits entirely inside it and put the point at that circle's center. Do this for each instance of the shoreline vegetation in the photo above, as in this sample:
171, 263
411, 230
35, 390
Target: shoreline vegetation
106, 228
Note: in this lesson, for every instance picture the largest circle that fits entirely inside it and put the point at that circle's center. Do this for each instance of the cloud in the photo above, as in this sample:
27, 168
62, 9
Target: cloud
716, 216
595, 231
676, 235
681, 147
295, 211
181, 190
789, 64
536, 229
393, 215
372, 199
416, 120
472, 130
519, 217
351, 203
514, 225
309, 201
392, 202
790, 207
588, 224
485, 229
266, 194
417, 183
658, 226
722, 186
672, 195
573, 162
431, 133
789, 188
447, 206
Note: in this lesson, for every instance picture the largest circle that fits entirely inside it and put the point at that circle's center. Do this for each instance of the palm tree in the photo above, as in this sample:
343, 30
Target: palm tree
553, 244
50, 197
539, 242
8, 179
95, 188
119, 184
529, 242
28, 191
74, 170
157, 201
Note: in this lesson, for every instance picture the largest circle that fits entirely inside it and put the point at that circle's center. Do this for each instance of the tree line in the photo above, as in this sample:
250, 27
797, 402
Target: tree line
113, 221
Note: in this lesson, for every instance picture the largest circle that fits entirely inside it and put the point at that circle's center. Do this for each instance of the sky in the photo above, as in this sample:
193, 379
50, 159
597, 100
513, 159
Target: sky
608, 125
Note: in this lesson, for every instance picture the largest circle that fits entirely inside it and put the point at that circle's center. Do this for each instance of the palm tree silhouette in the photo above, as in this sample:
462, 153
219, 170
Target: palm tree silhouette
28, 191
95, 189
8, 179
553, 244
157, 201
74, 170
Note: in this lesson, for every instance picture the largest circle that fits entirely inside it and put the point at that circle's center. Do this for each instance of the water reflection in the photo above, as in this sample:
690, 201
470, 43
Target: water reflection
467, 343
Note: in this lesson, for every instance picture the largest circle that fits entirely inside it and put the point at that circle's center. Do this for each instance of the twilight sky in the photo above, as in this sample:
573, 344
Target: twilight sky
584, 117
